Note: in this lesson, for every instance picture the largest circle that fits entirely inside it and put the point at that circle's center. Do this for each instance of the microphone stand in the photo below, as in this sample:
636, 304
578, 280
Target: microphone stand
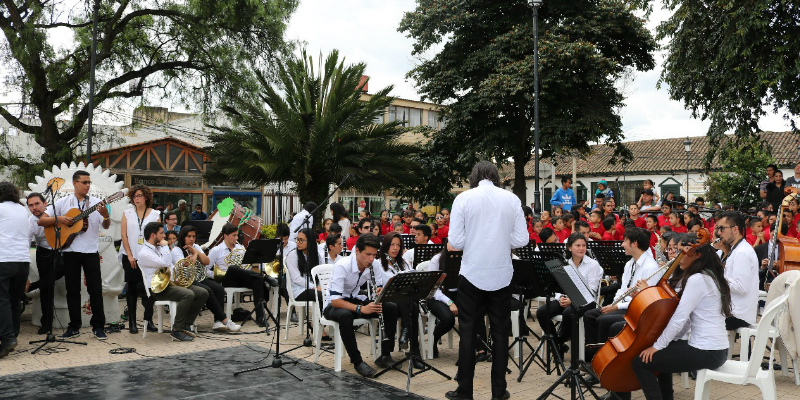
56, 255
306, 223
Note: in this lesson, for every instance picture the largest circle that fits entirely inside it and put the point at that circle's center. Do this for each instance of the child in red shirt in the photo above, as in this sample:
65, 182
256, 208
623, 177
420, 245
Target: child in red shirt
596, 226
663, 219
610, 226
545, 217
757, 236
558, 227
537, 228
637, 219
676, 223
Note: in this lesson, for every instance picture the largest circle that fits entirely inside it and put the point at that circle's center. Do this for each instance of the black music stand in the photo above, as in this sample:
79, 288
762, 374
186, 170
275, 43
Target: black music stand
558, 248
262, 251
548, 287
525, 284
525, 252
424, 252
415, 287
408, 241
452, 270
582, 301
611, 257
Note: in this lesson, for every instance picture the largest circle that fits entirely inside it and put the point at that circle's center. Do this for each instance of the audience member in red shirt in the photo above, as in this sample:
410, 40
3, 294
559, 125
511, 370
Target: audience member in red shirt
694, 225
619, 231
676, 223
757, 236
537, 228
558, 227
398, 228
324, 235
666, 210
579, 211
637, 219
545, 217
569, 221
596, 225
408, 216
441, 228
386, 222
610, 227
608, 209
364, 227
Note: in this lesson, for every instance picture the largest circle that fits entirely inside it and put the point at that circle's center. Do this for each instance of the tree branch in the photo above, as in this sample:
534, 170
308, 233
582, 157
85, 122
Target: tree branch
17, 123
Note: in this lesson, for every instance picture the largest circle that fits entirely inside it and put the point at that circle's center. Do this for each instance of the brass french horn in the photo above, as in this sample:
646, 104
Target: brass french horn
233, 259
185, 272
160, 281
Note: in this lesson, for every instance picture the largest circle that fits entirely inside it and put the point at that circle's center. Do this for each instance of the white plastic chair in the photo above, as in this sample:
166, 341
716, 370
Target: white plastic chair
159, 308
233, 296
748, 372
322, 274
294, 304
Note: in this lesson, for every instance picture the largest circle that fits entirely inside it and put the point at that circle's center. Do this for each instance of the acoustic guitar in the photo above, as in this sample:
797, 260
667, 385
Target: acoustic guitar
79, 224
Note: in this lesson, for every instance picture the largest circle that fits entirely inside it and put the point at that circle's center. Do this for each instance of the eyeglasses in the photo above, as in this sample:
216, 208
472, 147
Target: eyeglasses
85, 182
722, 227
439, 217
298, 240
137, 196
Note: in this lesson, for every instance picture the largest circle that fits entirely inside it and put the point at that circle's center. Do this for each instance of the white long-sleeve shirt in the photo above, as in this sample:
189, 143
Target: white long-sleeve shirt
590, 271
741, 272
15, 235
700, 310
297, 222
346, 280
636, 270
434, 266
300, 283
150, 259
217, 257
487, 223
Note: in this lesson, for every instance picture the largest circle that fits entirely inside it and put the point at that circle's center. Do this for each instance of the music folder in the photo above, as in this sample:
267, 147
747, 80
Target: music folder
573, 286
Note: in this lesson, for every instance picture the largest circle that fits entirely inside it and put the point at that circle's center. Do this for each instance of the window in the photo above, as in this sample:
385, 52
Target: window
433, 119
399, 113
379, 118
416, 117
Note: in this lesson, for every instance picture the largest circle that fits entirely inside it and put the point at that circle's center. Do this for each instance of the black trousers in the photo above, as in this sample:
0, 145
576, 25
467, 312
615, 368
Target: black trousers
677, 357
90, 262
238, 277
473, 304
136, 289
733, 323
48, 275
545, 314
212, 303
13, 276
446, 319
217, 289
598, 327
345, 319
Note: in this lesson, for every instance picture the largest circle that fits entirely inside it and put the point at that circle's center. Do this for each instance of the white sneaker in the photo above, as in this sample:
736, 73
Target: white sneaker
219, 326
232, 326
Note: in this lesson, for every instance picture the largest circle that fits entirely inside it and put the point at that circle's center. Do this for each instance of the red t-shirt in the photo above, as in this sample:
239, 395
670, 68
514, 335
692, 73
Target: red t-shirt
619, 233
406, 229
679, 229
562, 235
547, 225
663, 220
792, 232
640, 222
599, 229
653, 239
322, 237
442, 232
535, 237
351, 241
710, 225
751, 239
386, 228
608, 236
436, 240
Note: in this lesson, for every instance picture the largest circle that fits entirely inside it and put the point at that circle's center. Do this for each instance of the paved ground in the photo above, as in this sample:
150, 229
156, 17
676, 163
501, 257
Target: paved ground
161, 368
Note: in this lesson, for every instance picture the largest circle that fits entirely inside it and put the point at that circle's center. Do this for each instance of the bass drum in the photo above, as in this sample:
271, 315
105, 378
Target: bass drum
248, 222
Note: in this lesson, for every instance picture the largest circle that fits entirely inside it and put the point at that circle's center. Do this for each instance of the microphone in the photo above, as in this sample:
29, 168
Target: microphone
49, 189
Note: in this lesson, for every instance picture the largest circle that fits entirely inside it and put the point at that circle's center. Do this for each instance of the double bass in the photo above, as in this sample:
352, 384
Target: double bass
788, 254
648, 315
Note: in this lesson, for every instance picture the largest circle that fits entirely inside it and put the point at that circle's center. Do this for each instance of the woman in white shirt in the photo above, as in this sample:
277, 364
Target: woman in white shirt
340, 217
442, 306
216, 292
705, 302
299, 263
132, 227
590, 273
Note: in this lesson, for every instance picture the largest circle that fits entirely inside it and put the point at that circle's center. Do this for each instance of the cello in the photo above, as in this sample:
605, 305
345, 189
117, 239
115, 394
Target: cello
648, 314
788, 247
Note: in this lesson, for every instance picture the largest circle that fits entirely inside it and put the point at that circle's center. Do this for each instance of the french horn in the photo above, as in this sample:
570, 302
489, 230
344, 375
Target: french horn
233, 259
160, 281
185, 272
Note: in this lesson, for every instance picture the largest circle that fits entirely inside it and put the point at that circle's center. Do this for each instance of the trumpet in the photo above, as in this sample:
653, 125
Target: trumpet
373, 296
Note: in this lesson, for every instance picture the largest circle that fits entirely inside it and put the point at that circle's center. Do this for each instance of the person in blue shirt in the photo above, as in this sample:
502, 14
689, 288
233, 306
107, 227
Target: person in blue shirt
602, 187
564, 196
198, 214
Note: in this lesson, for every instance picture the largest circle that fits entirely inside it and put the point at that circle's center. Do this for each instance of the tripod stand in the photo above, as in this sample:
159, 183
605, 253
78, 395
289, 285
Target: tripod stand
582, 300
525, 283
552, 360
413, 287
277, 361
56, 256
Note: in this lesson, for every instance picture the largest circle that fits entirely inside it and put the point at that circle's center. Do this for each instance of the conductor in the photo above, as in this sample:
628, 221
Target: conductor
486, 223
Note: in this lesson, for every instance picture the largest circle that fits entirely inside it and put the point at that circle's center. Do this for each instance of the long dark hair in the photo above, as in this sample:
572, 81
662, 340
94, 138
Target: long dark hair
574, 237
304, 264
338, 211
185, 230
484, 170
708, 264
384, 251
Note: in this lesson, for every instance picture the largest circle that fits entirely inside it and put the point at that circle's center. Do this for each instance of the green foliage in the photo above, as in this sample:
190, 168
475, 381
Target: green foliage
312, 130
733, 61
269, 231
484, 73
741, 160
187, 49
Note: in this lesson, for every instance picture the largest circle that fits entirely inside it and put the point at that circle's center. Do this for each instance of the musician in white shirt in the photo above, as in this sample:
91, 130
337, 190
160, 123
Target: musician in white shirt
741, 271
331, 250
15, 260
422, 235
132, 227
486, 223
44, 262
705, 303
297, 221
442, 305
590, 273
82, 253
155, 254
235, 276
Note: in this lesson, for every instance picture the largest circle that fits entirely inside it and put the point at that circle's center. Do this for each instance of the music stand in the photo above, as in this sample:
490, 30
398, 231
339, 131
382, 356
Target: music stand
424, 252
558, 248
452, 270
414, 287
525, 252
582, 301
203, 230
611, 257
548, 286
408, 241
525, 284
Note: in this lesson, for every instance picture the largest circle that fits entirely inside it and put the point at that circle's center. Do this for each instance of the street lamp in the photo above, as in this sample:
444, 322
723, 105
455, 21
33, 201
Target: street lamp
687, 145
537, 195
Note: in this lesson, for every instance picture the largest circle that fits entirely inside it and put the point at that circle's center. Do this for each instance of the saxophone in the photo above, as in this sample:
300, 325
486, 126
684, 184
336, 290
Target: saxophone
373, 296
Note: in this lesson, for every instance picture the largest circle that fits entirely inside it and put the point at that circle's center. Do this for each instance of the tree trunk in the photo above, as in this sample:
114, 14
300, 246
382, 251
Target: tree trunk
520, 187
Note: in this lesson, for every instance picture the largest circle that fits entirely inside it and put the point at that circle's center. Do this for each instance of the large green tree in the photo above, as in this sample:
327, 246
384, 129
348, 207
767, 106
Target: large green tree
483, 70
312, 129
182, 47
731, 62
740, 159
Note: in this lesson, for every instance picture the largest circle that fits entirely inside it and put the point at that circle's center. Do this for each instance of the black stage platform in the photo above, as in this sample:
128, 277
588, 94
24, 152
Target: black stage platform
202, 375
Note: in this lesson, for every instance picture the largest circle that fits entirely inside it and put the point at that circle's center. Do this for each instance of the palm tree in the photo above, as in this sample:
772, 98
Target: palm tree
312, 130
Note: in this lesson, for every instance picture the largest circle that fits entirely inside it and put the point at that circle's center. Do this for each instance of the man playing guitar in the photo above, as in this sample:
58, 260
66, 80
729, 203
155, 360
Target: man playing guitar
81, 253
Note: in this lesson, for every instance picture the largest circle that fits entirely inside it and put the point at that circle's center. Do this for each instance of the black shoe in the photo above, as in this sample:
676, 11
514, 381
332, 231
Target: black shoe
262, 322
132, 328
151, 327
293, 318
610, 396
505, 396
70, 334
365, 370
7, 347
43, 330
591, 380
417, 363
403, 341
454, 395
562, 350
384, 361
181, 336
100, 334
482, 356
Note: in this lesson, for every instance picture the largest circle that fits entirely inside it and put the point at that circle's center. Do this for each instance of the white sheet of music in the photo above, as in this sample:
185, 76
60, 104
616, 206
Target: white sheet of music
578, 281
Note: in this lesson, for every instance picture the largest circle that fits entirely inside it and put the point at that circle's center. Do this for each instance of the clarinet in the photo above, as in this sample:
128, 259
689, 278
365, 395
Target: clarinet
374, 296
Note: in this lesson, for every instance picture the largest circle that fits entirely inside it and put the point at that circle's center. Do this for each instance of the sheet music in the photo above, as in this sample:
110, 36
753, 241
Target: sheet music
578, 281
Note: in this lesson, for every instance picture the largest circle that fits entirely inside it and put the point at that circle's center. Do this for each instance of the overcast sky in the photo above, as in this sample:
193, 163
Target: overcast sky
367, 31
